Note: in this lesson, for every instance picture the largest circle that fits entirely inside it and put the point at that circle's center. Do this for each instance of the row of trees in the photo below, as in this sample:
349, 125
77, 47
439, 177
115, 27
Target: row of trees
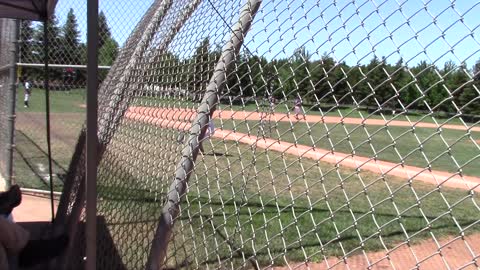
377, 84
323, 80
65, 46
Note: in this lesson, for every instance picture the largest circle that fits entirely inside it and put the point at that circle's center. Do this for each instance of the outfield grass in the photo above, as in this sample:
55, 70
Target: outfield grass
60, 101
31, 160
72, 101
31, 164
66, 119
443, 149
246, 203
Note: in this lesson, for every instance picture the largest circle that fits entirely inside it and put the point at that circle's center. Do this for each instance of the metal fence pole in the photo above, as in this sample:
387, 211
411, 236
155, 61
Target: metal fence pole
78, 162
200, 124
46, 49
92, 139
81, 158
12, 99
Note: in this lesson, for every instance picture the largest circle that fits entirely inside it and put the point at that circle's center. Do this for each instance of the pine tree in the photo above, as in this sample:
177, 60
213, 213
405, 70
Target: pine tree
286, 78
71, 35
108, 52
54, 41
322, 75
301, 66
402, 83
258, 71
108, 47
471, 93
454, 78
201, 66
26, 42
378, 83
104, 32
339, 83
238, 76
429, 84
356, 88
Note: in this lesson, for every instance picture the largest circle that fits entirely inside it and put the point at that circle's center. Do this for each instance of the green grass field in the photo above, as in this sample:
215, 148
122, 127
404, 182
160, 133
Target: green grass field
245, 203
66, 120
446, 150
251, 203
72, 101
60, 101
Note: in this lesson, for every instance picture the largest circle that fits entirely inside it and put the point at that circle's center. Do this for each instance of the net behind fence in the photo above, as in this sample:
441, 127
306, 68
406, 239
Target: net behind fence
289, 134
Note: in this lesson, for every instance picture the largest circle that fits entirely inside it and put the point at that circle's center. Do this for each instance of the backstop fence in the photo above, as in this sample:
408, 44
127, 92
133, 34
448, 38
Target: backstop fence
67, 82
274, 134
7, 95
287, 134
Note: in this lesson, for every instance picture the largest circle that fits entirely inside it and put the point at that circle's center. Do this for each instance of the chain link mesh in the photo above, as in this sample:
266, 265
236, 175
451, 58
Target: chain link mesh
7, 52
67, 83
342, 134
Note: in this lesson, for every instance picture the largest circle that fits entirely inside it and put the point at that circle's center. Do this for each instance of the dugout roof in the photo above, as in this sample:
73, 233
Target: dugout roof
35, 10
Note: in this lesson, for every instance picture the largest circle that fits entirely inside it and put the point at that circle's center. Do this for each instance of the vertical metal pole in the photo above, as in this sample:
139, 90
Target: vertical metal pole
11, 105
199, 126
46, 48
76, 166
92, 138
160, 8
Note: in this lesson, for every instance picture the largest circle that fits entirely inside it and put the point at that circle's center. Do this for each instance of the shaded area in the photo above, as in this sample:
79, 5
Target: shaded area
109, 256
30, 157
31, 165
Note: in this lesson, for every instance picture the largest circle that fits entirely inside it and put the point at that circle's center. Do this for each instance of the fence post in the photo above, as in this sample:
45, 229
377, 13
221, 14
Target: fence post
208, 105
92, 139
11, 105
80, 159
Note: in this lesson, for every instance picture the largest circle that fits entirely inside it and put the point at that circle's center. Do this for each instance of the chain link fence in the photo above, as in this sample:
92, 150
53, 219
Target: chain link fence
288, 134
67, 83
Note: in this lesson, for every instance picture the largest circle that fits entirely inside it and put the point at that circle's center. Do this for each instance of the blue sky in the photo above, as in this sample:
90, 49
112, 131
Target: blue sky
122, 15
353, 31
348, 30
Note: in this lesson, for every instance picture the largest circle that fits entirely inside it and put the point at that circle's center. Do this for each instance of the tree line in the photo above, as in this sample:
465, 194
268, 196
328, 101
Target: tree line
377, 84
426, 86
65, 48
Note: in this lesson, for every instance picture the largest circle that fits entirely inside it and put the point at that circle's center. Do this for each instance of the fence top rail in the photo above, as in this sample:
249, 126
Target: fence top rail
58, 65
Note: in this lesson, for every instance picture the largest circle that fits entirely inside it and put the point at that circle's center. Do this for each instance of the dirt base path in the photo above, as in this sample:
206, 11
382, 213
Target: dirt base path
33, 208
188, 115
448, 253
437, 178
